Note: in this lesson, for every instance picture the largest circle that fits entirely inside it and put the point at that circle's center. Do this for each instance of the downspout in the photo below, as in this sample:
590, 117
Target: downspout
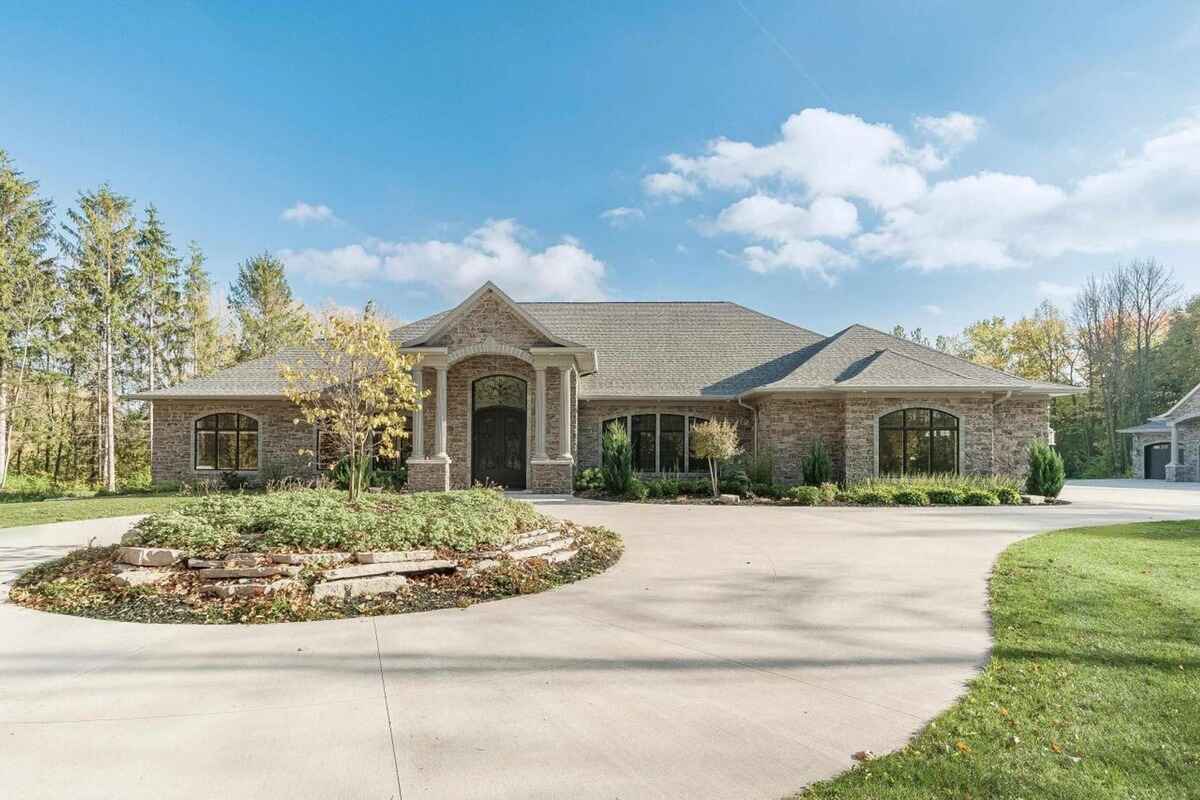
754, 414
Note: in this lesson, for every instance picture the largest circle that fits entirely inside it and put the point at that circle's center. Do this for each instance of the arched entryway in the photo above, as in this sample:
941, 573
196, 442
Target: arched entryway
1157, 455
498, 431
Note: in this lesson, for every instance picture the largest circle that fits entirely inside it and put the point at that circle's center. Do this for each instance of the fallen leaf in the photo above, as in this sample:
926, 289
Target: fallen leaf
962, 747
863, 755
1056, 747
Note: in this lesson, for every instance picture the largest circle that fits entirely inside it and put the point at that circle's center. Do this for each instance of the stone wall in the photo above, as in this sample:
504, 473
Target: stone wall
592, 413
1187, 439
1018, 421
279, 440
491, 319
788, 427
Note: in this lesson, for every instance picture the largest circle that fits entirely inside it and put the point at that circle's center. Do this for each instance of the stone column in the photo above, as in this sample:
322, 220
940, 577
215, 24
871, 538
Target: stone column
418, 431
564, 434
439, 430
539, 405
1172, 470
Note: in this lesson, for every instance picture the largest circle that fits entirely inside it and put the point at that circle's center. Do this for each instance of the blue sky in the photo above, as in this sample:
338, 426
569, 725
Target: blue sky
929, 164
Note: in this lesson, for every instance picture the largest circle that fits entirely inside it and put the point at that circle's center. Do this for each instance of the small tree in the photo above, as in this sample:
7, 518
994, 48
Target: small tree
817, 468
355, 384
617, 460
1046, 470
716, 441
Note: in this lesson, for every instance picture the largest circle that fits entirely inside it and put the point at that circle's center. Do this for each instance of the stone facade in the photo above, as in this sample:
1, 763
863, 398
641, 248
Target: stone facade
279, 439
592, 413
1187, 452
491, 318
788, 427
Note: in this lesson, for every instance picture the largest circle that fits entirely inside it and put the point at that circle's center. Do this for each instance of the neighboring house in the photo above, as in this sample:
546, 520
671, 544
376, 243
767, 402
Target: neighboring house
520, 394
1175, 433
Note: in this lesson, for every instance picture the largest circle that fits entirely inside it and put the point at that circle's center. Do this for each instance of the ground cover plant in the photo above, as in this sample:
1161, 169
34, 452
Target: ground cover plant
1092, 687
465, 527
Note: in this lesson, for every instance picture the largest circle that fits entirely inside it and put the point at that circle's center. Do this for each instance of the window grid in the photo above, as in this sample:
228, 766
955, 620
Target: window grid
920, 431
237, 429
688, 421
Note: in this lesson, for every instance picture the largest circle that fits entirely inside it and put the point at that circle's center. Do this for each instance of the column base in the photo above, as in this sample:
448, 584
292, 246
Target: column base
552, 475
429, 475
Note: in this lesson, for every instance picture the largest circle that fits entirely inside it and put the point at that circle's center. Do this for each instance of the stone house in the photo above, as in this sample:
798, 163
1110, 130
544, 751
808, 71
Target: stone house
519, 394
1167, 447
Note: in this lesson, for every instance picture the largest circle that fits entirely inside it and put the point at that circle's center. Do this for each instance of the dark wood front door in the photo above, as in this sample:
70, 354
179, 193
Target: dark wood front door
498, 446
1157, 456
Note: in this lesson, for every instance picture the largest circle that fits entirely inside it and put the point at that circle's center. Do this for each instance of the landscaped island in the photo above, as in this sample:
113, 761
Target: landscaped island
308, 554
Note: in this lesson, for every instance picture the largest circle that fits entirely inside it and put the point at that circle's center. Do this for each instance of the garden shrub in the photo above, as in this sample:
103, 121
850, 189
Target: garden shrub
637, 490
817, 468
340, 473
1008, 496
617, 460
697, 487
771, 491
911, 497
829, 492
843, 496
945, 496
734, 479
804, 495
1046, 471
760, 467
872, 496
668, 488
980, 497
589, 480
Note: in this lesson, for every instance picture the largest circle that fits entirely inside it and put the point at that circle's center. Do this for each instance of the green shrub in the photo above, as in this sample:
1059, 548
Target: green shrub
1046, 471
829, 492
911, 497
734, 479
697, 487
872, 496
804, 495
772, 491
980, 497
617, 460
1009, 496
637, 490
668, 488
843, 496
817, 468
589, 480
760, 468
340, 473
946, 496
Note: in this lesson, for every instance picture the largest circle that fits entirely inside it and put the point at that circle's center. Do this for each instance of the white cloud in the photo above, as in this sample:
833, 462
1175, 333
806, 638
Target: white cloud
932, 310
954, 130
1055, 291
834, 188
669, 186
495, 251
303, 213
620, 216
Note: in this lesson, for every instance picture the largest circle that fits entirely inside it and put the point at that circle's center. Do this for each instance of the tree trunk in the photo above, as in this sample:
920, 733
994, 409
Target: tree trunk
110, 437
3, 423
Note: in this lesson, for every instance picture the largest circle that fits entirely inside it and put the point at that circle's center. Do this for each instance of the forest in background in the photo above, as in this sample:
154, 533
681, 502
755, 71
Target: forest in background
100, 303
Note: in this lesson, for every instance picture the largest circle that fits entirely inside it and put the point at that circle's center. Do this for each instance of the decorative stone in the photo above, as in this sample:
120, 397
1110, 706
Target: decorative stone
729, 499
534, 537
219, 574
358, 587
561, 555
149, 556
542, 550
1032, 499
404, 567
139, 577
393, 556
251, 589
299, 559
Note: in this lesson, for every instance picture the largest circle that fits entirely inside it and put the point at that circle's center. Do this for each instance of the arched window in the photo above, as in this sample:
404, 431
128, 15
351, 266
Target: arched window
918, 441
499, 390
226, 441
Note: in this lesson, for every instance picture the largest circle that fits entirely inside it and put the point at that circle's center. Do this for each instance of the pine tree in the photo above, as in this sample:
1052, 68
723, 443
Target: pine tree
157, 300
99, 238
200, 344
269, 317
28, 291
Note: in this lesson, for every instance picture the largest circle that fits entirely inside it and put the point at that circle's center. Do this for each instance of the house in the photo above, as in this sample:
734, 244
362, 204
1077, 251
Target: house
519, 394
1167, 447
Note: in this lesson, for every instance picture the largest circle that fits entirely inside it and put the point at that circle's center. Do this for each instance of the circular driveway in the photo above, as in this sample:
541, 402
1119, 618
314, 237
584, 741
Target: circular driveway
733, 652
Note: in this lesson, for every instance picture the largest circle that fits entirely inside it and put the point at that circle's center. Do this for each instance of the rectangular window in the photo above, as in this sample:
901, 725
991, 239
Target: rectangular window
227, 449
891, 450
641, 437
944, 451
206, 449
248, 450
670, 443
695, 463
916, 452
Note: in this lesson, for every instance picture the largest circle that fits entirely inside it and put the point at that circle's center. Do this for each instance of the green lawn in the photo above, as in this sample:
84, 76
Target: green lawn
40, 511
1093, 689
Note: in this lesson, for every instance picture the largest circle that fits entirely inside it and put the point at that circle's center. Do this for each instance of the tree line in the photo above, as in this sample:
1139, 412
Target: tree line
98, 303
1128, 335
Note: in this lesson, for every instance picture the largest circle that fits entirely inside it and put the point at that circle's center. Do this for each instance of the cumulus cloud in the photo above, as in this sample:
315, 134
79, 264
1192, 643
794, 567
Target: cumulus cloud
303, 213
834, 189
621, 216
496, 251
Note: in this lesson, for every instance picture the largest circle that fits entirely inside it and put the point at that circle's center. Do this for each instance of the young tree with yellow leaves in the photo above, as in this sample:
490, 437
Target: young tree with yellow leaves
355, 385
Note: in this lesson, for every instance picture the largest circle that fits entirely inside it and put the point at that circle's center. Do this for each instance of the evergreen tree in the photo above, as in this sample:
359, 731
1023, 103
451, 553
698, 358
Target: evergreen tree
268, 316
28, 292
200, 343
157, 301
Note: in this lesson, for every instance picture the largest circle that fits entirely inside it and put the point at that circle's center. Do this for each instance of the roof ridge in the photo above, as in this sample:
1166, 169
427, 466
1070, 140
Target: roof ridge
925, 363
943, 353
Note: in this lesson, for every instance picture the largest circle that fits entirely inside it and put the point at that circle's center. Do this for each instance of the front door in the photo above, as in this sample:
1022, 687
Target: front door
1157, 456
498, 432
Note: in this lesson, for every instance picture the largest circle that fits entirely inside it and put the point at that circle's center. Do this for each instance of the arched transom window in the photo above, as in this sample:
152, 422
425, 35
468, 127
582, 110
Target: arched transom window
499, 390
917, 441
226, 441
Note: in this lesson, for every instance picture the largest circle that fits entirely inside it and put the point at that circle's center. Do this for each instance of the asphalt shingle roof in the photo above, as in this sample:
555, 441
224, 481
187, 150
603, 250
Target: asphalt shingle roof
691, 349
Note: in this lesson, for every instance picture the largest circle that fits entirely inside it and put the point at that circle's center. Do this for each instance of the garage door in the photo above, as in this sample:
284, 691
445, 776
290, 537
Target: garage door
1157, 456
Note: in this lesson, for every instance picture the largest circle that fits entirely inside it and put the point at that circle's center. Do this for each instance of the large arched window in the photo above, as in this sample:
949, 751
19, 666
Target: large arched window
226, 441
918, 441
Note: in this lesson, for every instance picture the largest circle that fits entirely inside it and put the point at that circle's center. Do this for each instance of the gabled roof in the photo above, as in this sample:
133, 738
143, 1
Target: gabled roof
252, 379
1151, 425
447, 320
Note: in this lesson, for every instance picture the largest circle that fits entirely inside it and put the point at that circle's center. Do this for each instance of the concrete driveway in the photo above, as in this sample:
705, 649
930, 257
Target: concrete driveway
733, 652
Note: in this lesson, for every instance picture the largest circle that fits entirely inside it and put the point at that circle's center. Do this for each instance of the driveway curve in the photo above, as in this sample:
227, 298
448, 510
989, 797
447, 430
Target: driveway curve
733, 652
